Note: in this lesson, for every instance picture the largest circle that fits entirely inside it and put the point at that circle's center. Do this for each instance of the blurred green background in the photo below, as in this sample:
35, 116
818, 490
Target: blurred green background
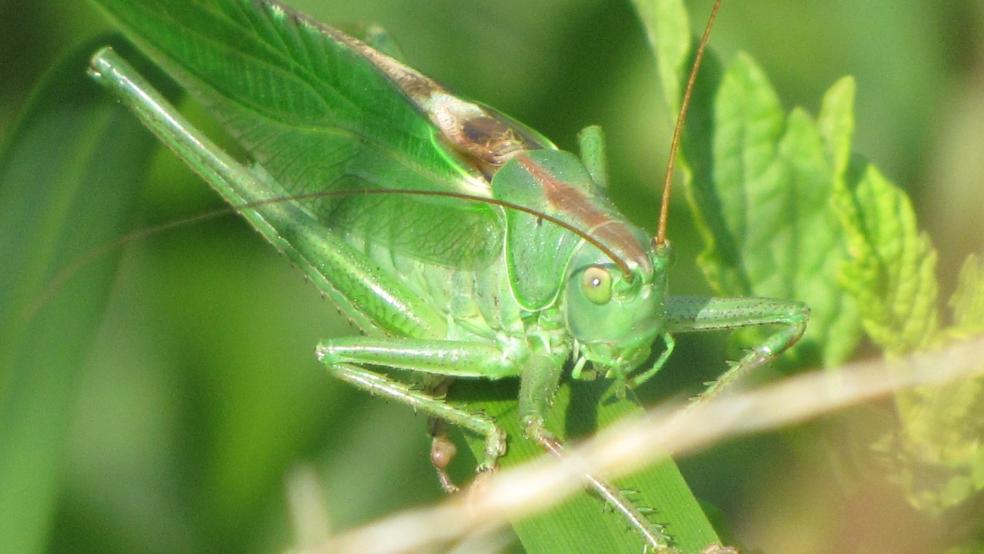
201, 391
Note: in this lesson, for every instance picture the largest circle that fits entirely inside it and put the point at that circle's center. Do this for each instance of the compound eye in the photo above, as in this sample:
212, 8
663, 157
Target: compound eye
596, 282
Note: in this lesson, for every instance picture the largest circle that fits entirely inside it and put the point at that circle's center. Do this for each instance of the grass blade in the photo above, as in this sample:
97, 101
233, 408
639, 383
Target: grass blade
67, 175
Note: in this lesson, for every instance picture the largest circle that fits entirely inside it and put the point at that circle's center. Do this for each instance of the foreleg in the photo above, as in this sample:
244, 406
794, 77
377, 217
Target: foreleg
690, 314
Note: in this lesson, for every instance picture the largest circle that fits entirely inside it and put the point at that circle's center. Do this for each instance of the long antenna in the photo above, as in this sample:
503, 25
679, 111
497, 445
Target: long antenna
67, 272
664, 210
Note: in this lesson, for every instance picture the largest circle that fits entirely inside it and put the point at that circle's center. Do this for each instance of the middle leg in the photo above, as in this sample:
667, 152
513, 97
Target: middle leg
345, 357
538, 386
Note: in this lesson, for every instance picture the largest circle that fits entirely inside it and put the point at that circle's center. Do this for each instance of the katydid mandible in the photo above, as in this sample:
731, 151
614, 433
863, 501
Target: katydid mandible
464, 244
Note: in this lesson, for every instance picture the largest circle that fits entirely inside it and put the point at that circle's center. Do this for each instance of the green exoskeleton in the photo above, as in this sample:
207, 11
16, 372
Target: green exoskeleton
462, 243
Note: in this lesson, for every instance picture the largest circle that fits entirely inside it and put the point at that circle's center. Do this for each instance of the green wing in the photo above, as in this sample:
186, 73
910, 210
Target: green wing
318, 114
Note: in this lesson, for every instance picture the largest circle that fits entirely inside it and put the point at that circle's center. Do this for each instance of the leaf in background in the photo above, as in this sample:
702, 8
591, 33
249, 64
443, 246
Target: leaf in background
760, 184
584, 523
68, 175
836, 122
935, 453
667, 28
942, 428
967, 302
892, 264
787, 212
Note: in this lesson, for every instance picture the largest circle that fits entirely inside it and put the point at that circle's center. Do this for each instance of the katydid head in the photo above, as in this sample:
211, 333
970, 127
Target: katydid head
615, 317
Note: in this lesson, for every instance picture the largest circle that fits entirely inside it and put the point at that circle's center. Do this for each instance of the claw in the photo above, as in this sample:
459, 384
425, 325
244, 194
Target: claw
479, 484
446, 483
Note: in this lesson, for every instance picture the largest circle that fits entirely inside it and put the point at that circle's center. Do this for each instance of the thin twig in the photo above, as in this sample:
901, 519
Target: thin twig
630, 445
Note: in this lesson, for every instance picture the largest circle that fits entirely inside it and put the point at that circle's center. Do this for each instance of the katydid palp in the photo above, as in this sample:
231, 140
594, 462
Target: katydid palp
463, 244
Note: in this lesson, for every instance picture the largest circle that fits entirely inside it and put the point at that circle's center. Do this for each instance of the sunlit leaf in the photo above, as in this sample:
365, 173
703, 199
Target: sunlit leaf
936, 452
941, 463
967, 301
892, 264
760, 183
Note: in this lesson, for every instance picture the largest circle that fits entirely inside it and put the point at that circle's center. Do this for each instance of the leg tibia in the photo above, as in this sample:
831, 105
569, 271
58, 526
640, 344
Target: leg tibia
440, 357
344, 358
641, 378
340, 271
381, 385
774, 345
690, 314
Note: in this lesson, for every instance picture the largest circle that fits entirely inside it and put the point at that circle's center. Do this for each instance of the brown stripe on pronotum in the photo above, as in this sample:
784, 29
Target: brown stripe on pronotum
571, 200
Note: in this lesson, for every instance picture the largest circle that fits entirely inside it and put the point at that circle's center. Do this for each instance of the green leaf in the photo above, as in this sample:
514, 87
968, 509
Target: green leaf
771, 192
836, 122
584, 523
764, 206
892, 264
667, 28
760, 183
938, 456
67, 185
967, 302
940, 462
936, 452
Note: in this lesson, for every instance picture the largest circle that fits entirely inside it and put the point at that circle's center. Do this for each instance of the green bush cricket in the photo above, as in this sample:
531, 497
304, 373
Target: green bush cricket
462, 243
